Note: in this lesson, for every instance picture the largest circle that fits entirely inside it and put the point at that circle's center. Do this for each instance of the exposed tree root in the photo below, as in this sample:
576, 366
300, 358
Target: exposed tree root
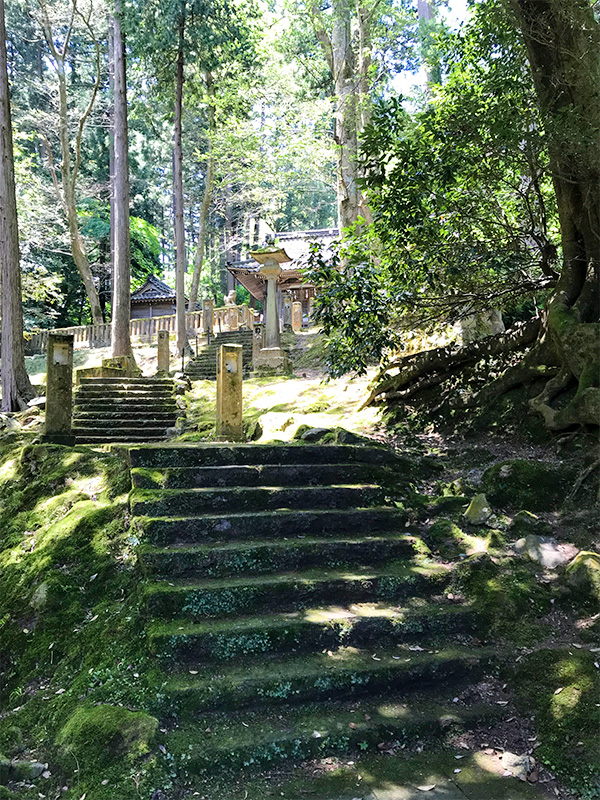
422, 370
583, 477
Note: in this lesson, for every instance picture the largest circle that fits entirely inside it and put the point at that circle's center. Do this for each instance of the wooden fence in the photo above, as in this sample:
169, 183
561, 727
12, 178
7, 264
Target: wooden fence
227, 318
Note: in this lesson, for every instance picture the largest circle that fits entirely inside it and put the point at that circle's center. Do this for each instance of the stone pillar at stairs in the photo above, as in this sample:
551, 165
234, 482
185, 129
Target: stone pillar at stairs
59, 389
229, 393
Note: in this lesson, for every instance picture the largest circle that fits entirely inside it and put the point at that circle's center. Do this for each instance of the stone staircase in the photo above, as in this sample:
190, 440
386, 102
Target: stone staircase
124, 410
204, 366
288, 606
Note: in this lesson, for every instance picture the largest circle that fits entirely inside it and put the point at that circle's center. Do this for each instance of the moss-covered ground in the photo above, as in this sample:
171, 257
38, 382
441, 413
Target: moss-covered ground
79, 689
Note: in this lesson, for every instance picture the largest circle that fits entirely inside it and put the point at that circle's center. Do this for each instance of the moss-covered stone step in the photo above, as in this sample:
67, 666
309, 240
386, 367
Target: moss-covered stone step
145, 382
253, 558
254, 739
129, 433
104, 413
290, 591
175, 502
119, 438
119, 405
214, 455
133, 392
307, 631
347, 672
271, 524
124, 420
259, 475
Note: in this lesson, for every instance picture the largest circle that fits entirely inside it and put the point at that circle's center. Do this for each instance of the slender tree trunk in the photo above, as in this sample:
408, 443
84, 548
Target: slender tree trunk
347, 113
206, 199
121, 302
181, 332
16, 386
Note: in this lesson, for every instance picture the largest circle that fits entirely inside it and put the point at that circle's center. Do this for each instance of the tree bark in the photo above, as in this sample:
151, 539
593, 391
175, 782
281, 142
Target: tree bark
563, 43
206, 199
121, 289
179, 229
69, 169
16, 386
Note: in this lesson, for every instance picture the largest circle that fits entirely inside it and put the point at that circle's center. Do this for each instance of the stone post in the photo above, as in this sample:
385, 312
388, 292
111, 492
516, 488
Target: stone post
59, 389
311, 310
164, 355
286, 300
296, 316
258, 336
208, 307
229, 393
271, 270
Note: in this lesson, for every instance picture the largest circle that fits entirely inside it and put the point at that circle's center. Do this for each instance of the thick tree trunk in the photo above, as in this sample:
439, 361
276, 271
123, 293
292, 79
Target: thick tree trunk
206, 199
16, 386
121, 290
180, 261
563, 44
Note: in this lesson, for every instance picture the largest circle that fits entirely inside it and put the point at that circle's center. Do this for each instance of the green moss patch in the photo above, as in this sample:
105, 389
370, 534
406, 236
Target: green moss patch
99, 734
562, 688
530, 485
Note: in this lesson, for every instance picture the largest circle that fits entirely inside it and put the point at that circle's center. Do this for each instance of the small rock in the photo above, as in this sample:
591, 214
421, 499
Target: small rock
519, 766
37, 402
479, 511
348, 437
584, 573
525, 522
545, 550
315, 434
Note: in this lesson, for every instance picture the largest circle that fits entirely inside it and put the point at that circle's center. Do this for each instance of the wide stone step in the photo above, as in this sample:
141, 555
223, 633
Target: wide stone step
119, 438
216, 455
265, 524
227, 742
149, 382
134, 393
315, 629
254, 558
105, 416
147, 432
170, 502
145, 422
118, 405
347, 672
259, 475
292, 591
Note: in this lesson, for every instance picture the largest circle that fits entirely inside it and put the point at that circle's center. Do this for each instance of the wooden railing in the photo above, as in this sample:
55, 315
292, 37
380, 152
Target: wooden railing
226, 318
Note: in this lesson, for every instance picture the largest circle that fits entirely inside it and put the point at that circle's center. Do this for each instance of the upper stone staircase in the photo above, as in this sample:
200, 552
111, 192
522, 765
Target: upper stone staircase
289, 607
124, 410
203, 367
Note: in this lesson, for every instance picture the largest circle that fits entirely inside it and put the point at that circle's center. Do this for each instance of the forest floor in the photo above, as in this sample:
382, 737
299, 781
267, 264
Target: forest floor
61, 529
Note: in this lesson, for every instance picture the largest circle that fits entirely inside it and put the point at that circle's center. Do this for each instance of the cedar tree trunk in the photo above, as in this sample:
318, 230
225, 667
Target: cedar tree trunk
16, 386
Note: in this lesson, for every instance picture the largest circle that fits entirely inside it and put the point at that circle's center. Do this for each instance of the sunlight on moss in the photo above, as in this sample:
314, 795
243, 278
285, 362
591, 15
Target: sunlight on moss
8, 470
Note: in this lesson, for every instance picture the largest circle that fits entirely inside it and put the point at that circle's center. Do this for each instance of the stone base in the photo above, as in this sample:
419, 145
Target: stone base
99, 372
125, 363
66, 439
271, 361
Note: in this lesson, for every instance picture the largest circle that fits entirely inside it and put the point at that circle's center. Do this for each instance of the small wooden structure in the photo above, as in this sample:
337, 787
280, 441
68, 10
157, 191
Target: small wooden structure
153, 299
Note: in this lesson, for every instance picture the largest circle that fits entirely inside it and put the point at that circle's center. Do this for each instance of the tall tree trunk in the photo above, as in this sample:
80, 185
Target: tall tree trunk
563, 43
16, 386
121, 290
346, 114
425, 12
208, 188
69, 169
180, 261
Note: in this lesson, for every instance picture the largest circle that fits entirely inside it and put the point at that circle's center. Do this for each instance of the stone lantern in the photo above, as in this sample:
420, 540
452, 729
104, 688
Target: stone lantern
271, 355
